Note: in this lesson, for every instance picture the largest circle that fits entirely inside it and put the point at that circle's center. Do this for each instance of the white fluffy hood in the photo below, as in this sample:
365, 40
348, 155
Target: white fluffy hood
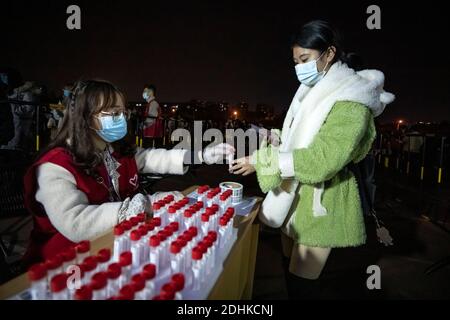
372, 81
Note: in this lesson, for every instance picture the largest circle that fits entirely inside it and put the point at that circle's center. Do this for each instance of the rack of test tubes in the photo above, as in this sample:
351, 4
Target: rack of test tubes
178, 253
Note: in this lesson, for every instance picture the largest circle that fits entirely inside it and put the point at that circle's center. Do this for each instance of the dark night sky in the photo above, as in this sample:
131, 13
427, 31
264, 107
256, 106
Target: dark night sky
224, 50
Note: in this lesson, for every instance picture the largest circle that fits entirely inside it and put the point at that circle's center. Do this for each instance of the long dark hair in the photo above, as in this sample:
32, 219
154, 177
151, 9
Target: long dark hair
320, 35
75, 134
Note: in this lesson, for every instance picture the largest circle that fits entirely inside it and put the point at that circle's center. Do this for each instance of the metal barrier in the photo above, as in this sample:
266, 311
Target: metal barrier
430, 164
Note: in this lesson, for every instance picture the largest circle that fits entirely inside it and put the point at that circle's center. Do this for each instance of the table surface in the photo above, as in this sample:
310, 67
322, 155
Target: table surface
242, 223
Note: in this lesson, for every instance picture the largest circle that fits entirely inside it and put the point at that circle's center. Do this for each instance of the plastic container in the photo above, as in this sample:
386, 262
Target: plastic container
83, 250
126, 225
114, 271
54, 266
138, 283
143, 230
89, 268
197, 273
84, 293
103, 258
205, 225
168, 291
164, 251
157, 222
149, 274
98, 285
58, 287
154, 252
37, 274
136, 249
176, 258
125, 262
69, 257
119, 245
126, 293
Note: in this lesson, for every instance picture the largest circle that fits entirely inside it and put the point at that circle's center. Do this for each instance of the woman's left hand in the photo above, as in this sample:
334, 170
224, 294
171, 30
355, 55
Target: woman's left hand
216, 153
243, 166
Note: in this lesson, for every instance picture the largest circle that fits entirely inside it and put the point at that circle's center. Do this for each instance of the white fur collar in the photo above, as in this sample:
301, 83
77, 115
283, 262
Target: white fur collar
314, 103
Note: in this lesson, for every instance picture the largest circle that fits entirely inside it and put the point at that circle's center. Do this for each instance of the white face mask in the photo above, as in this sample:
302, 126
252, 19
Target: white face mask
145, 95
308, 74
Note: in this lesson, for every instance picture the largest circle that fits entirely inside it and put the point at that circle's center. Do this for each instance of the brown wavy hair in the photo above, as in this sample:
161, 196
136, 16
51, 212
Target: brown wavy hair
75, 134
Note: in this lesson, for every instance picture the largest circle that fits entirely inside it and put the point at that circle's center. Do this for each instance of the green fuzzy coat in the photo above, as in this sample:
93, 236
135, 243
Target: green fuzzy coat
346, 135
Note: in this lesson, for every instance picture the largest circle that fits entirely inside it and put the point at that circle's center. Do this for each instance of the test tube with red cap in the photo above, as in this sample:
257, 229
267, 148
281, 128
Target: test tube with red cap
138, 284
99, 286
155, 251
54, 266
195, 234
197, 270
164, 253
37, 274
136, 248
118, 246
178, 280
201, 193
134, 222
205, 224
158, 223
143, 230
126, 292
223, 231
210, 198
113, 272
69, 257
183, 241
83, 250
156, 207
204, 246
127, 227
151, 228
176, 258
142, 217
83, 293
89, 268
188, 220
212, 237
169, 291
214, 217
126, 263
58, 287
172, 212
174, 228
103, 258
149, 274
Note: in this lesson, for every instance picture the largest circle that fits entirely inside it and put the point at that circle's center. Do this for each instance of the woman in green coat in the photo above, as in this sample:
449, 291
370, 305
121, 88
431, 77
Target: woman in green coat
311, 194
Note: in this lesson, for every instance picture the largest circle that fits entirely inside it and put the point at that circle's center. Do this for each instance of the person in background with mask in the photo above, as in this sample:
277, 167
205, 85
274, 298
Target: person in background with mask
86, 180
6, 117
153, 128
23, 117
311, 194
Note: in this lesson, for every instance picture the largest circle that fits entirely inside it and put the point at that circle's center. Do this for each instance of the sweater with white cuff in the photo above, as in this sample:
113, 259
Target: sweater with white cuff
68, 208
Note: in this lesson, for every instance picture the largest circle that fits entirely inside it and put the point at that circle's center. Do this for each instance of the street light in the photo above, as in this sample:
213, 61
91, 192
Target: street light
399, 122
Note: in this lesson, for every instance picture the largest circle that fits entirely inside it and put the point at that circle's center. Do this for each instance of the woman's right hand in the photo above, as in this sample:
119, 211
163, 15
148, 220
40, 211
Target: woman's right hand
130, 208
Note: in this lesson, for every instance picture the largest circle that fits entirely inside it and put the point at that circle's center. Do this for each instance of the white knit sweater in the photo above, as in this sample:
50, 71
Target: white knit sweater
68, 208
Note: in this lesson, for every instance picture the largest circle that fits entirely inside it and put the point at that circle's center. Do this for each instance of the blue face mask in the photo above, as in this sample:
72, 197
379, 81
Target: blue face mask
66, 93
4, 78
145, 96
308, 74
113, 128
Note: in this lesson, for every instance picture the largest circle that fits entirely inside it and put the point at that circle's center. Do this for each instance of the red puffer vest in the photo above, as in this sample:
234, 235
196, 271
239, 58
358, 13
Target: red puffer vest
45, 239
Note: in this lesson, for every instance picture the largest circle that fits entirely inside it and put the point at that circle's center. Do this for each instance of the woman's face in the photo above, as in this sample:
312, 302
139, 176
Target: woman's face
111, 111
304, 55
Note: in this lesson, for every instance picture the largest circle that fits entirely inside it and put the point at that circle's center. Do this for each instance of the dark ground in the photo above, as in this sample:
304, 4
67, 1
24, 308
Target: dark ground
418, 244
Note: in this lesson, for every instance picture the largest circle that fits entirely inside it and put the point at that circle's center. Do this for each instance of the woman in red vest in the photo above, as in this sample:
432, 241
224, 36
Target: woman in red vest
86, 181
